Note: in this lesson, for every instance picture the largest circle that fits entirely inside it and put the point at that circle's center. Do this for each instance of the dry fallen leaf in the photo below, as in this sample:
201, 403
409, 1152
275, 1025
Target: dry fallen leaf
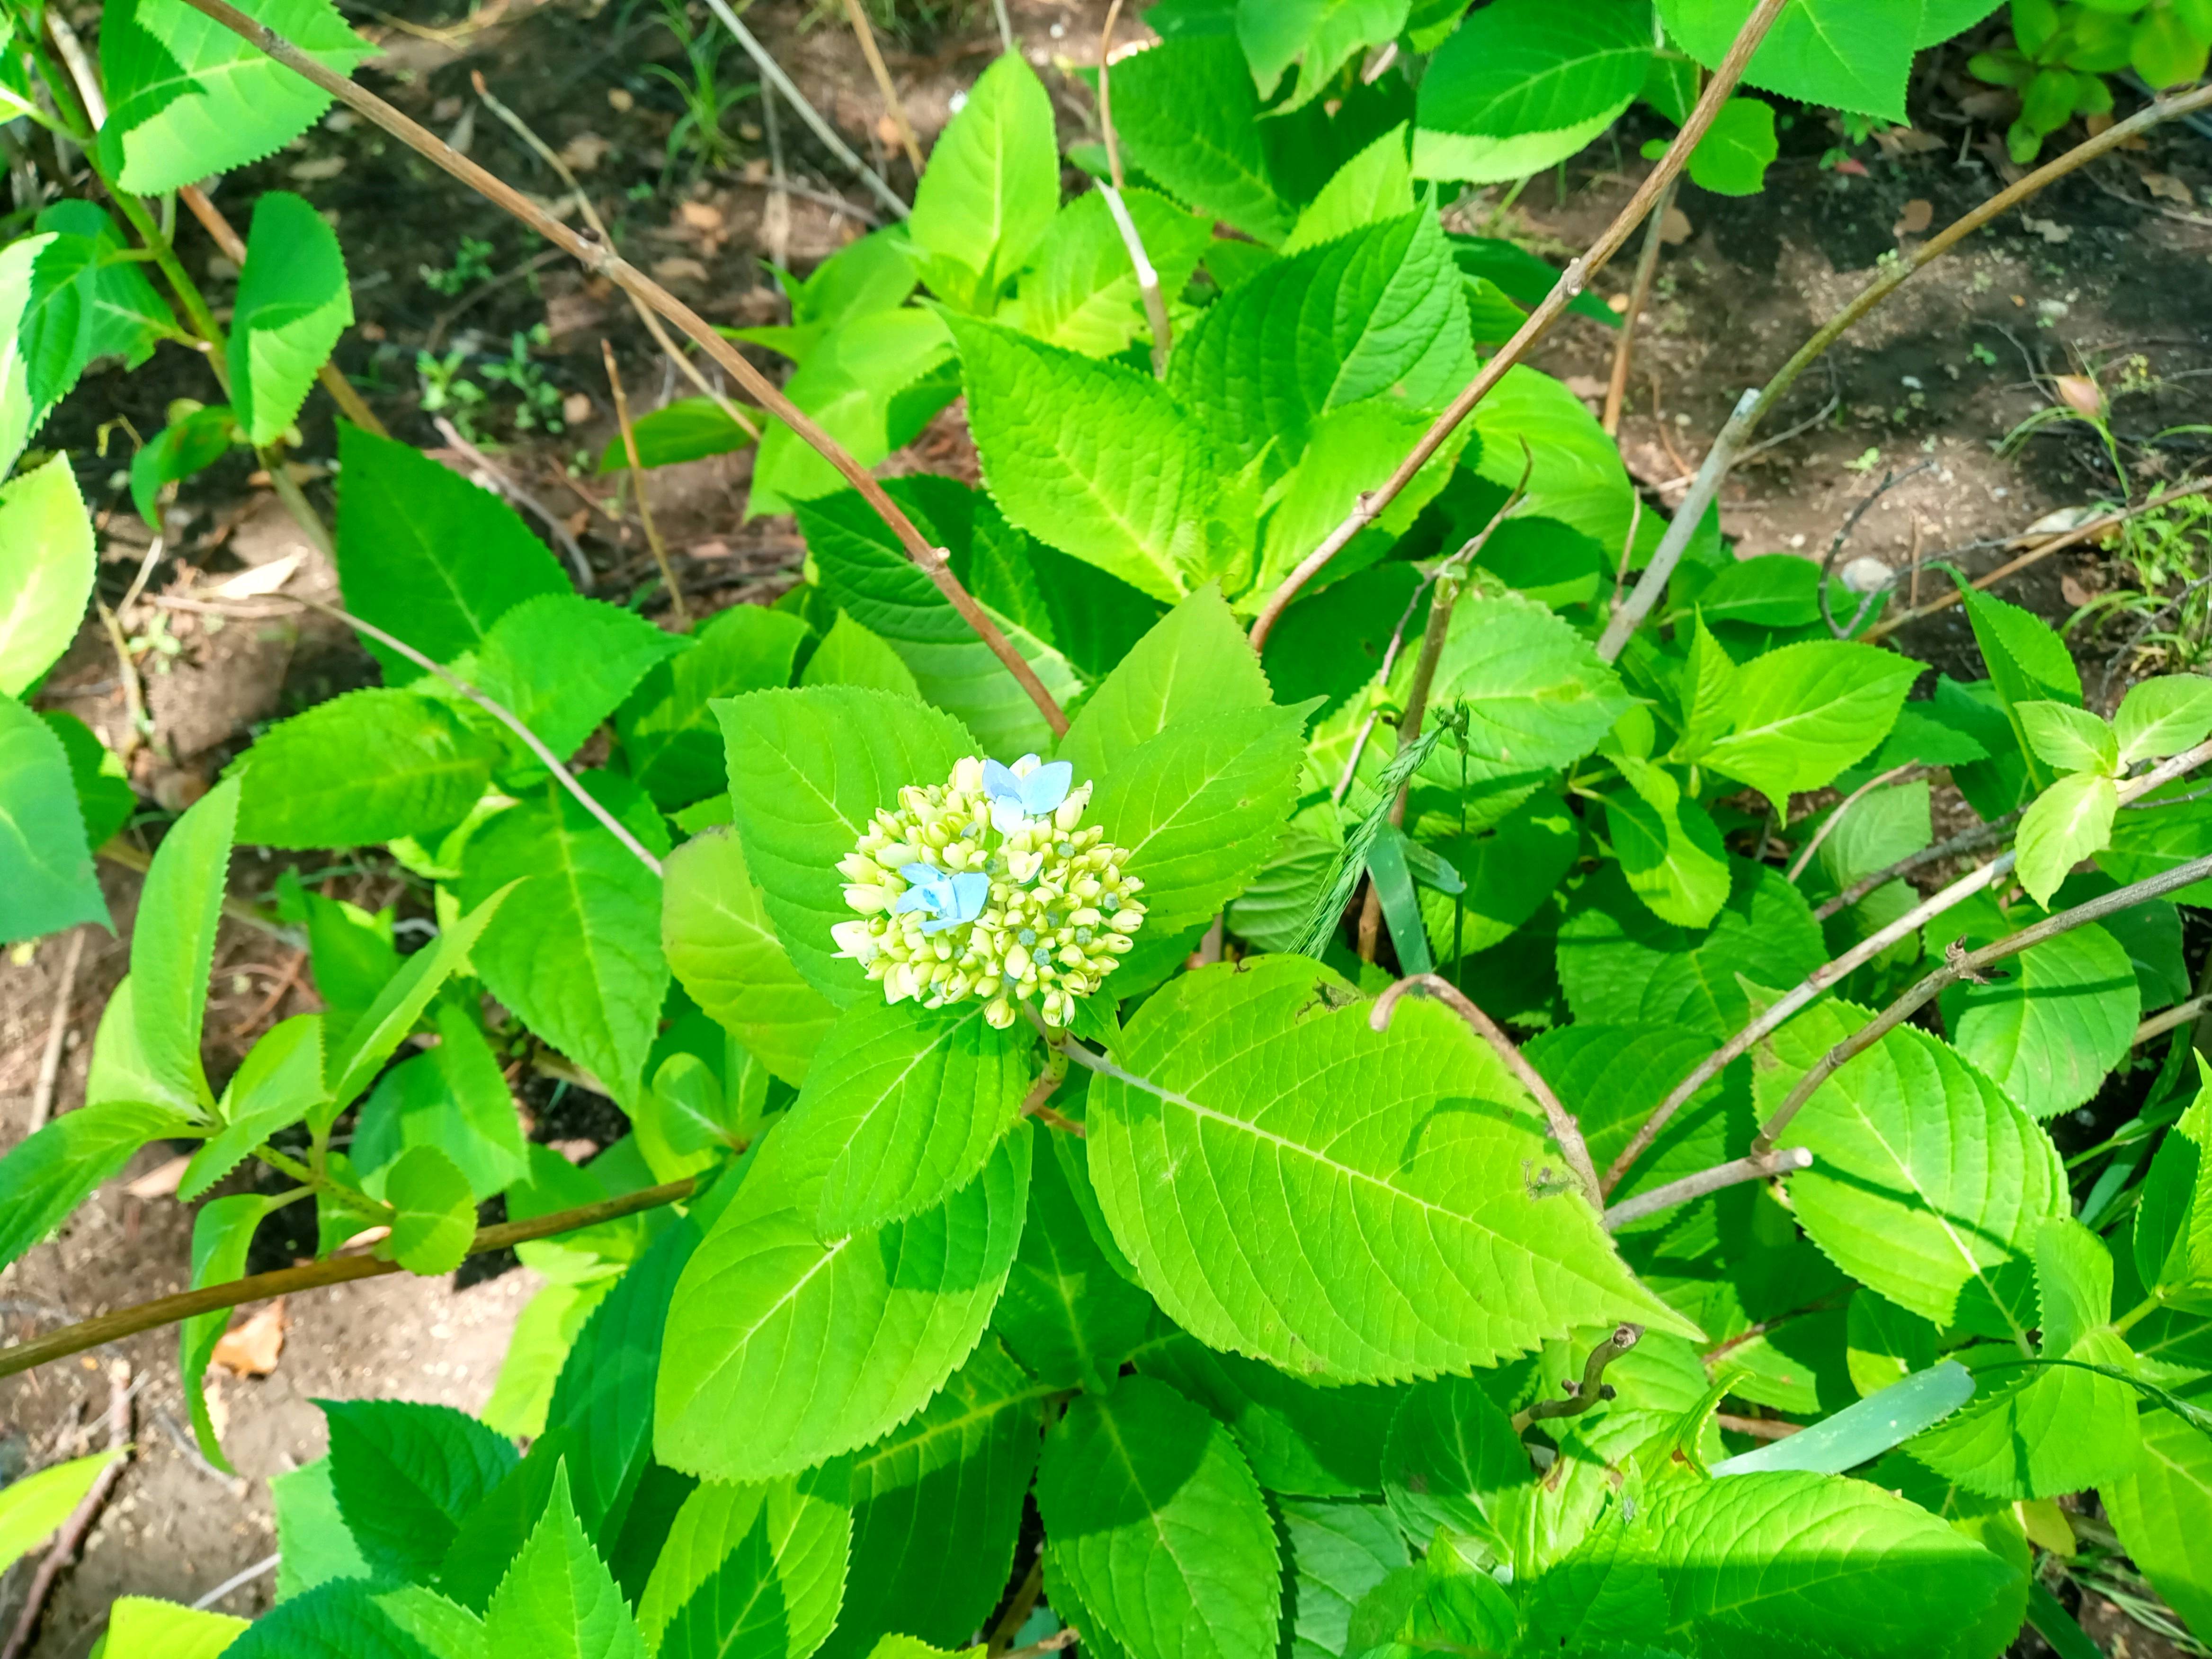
2081, 394
699, 215
257, 579
1585, 385
577, 408
2166, 185
161, 1180
620, 101
1918, 215
585, 152
680, 270
2050, 229
1675, 229
251, 1349
317, 171
2072, 592
576, 1150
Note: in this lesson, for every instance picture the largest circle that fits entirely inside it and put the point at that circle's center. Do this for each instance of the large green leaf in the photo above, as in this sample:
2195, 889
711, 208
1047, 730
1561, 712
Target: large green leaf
1093, 459
1451, 1450
822, 1347
172, 942
1188, 115
452, 1097
406, 1474
1779, 1564
2163, 1513
346, 1618
221, 1234
752, 1571
669, 742
875, 584
46, 878
45, 571
1612, 1077
19, 416
724, 953
1338, 1552
1200, 807
1574, 470
1066, 1314
1806, 712
1621, 964
2051, 1430
558, 1600
560, 663
1524, 83
87, 299
187, 97
871, 382
1081, 291
350, 1060
281, 1081
163, 1630
1670, 847
2064, 825
366, 767
292, 303
901, 1107
2174, 1218
808, 769
936, 1506
433, 1213
1155, 1519
1928, 1185
2050, 1022
426, 555
1194, 662
1847, 54
34, 1506
1536, 695
1300, 1437
991, 185
576, 950
1411, 1152
1377, 314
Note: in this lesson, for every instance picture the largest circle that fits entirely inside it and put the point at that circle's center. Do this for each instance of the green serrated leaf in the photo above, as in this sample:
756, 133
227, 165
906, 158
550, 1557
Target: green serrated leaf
221, 1232
349, 1063
423, 553
825, 1346
406, 1474
2052, 1022
2064, 825
163, 1630
1159, 1527
2163, 716
433, 1218
45, 571
1080, 290
1218, 1251
342, 1618
452, 1097
558, 1599
752, 1571
667, 729
1523, 84
992, 184
2070, 739
46, 877
1066, 1314
280, 1082
1806, 712
1451, 1453
1846, 54
936, 1506
2163, 1513
187, 97
172, 942
293, 304
2174, 1219
1188, 114
366, 767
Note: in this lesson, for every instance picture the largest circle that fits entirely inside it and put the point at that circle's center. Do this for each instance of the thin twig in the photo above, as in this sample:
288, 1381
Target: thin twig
1592, 1389
134, 690
50, 1057
2159, 1024
1755, 404
1053, 1643
865, 33
1759, 1167
1034, 1104
1564, 1129
238, 1580
331, 1270
1148, 278
1106, 97
1005, 26
343, 392
2043, 549
71, 1535
637, 483
1828, 824
545, 153
1890, 480
1968, 964
521, 497
1770, 1019
1639, 295
603, 261
1540, 321
772, 72
1017, 1609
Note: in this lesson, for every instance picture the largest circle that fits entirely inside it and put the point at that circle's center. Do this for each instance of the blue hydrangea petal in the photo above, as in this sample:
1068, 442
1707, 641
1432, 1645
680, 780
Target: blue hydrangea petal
1046, 787
1000, 781
970, 892
920, 873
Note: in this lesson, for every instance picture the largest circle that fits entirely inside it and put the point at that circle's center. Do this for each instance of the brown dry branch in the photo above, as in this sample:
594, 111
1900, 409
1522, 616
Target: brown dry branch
332, 1270
1772, 1018
49, 1056
1755, 404
637, 484
1539, 322
865, 33
603, 261
1639, 295
1760, 1167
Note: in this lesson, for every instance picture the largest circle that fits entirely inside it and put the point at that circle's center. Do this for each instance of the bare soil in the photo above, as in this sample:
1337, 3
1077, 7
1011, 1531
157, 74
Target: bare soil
2096, 272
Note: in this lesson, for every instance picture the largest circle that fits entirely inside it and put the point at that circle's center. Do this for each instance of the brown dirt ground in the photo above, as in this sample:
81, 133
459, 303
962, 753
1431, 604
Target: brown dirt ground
2127, 274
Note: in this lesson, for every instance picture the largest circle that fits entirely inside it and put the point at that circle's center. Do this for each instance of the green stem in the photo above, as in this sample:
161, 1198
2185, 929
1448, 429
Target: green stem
2150, 1305
351, 1198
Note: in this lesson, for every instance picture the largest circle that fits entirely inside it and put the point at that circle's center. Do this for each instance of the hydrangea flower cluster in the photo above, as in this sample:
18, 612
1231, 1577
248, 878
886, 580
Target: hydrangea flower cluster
985, 887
